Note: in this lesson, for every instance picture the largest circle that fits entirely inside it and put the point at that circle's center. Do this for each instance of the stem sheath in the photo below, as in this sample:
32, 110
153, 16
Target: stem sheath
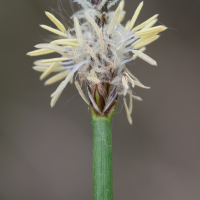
102, 159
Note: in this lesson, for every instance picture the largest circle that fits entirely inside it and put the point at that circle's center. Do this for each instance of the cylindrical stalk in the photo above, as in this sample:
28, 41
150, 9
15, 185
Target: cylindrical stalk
102, 159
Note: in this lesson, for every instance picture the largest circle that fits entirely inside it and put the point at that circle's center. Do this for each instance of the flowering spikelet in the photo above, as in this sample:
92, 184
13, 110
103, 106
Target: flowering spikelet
96, 49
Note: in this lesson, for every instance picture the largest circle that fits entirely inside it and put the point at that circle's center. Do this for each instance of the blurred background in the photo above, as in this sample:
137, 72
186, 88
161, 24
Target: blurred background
47, 153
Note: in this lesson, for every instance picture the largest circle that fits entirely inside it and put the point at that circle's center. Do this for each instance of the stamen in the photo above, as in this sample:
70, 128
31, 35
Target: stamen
130, 109
142, 50
72, 80
66, 40
78, 31
65, 43
151, 24
48, 71
131, 75
50, 46
151, 30
113, 21
39, 62
144, 23
125, 84
130, 80
95, 26
139, 84
81, 92
57, 77
40, 52
127, 112
121, 5
101, 39
54, 60
93, 79
136, 81
43, 68
89, 49
127, 26
136, 14
53, 30
136, 97
121, 18
145, 42
55, 21
55, 99
62, 85
145, 57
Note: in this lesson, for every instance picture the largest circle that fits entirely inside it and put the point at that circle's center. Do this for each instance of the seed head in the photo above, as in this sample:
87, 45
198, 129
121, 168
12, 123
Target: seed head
95, 52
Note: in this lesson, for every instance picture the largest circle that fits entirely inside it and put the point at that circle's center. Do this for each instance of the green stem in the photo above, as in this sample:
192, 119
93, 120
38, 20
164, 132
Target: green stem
102, 158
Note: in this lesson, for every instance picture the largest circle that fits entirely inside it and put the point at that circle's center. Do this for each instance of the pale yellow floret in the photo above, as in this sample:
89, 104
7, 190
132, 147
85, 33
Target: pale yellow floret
40, 52
55, 21
101, 39
127, 26
48, 71
57, 77
54, 60
130, 109
65, 40
151, 24
81, 92
60, 89
121, 5
145, 23
151, 30
55, 99
39, 63
65, 43
53, 30
44, 68
78, 31
145, 57
142, 50
89, 50
93, 23
93, 79
53, 47
114, 21
136, 14
127, 111
149, 35
146, 42
121, 18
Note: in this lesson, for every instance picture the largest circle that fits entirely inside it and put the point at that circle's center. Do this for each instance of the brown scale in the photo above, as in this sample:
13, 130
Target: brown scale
102, 20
